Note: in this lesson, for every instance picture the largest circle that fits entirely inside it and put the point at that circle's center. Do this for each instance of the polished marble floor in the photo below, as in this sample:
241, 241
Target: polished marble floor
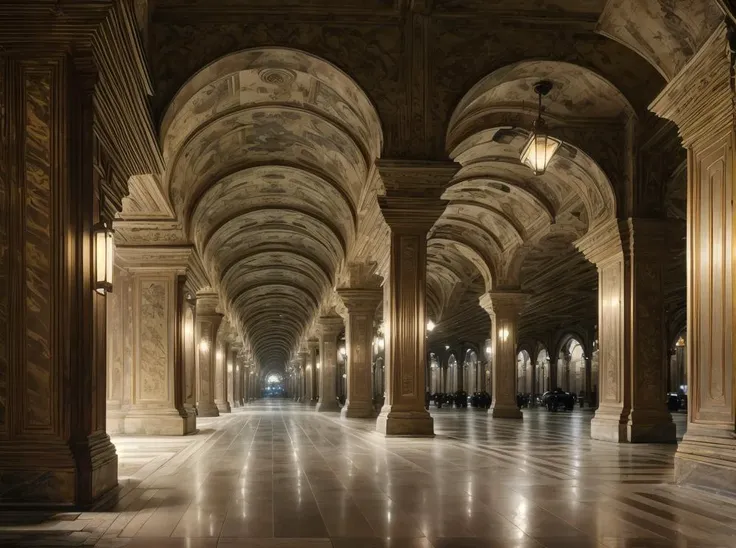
276, 474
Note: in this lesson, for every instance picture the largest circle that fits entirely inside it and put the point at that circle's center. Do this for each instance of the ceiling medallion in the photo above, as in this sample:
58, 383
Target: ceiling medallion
277, 76
540, 148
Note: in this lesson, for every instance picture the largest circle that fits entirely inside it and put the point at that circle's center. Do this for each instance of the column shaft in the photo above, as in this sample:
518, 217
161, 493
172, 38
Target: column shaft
330, 327
313, 390
208, 322
504, 309
361, 306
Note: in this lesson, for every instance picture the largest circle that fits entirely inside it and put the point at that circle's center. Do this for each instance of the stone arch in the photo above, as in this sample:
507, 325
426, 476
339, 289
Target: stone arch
269, 153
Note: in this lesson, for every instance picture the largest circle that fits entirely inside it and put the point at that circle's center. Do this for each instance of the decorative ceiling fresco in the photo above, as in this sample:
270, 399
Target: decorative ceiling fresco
268, 152
272, 115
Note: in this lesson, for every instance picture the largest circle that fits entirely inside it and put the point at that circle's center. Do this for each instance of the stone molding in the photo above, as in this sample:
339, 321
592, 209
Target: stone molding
503, 303
330, 326
699, 99
413, 190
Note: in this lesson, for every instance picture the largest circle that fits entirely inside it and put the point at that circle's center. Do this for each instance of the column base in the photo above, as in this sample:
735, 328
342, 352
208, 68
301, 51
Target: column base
115, 421
37, 474
223, 407
405, 423
312, 402
608, 425
357, 410
208, 410
325, 407
504, 412
166, 422
651, 427
706, 459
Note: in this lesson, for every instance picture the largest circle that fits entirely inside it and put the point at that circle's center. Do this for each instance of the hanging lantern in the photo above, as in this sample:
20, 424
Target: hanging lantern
103, 237
541, 147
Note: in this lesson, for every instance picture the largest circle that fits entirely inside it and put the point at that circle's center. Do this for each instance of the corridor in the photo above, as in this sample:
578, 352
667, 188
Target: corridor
275, 474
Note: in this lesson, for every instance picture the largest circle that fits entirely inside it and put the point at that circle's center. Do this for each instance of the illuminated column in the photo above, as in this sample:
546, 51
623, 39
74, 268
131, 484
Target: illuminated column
189, 377
313, 392
700, 101
222, 346
361, 310
208, 322
330, 327
411, 205
237, 365
629, 255
504, 309
154, 335
303, 365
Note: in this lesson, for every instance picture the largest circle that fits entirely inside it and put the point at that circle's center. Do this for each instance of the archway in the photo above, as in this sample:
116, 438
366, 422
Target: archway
435, 374
677, 381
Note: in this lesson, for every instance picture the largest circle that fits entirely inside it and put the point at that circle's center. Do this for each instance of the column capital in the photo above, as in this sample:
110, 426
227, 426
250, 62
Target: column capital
601, 243
699, 99
357, 300
207, 303
413, 192
313, 344
507, 303
330, 325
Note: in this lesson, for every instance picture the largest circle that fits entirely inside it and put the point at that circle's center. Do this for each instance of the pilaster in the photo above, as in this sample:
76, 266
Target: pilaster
504, 308
208, 323
154, 335
361, 310
411, 205
313, 346
330, 327
700, 100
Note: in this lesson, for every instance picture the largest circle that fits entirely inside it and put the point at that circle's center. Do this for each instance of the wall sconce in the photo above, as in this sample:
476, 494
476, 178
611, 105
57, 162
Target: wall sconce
447, 347
431, 325
343, 351
218, 355
103, 235
489, 350
344, 376
540, 148
204, 345
380, 343
503, 334
229, 368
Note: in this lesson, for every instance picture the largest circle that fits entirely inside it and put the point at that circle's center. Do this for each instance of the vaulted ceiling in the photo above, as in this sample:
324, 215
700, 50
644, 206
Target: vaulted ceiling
272, 114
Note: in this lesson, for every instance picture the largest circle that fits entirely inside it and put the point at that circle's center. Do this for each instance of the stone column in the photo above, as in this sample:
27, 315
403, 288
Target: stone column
700, 101
155, 303
313, 346
411, 205
245, 381
190, 357
303, 366
504, 309
361, 310
54, 450
235, 349
119, 361
208, 322
221, 374
330, 327
629, 258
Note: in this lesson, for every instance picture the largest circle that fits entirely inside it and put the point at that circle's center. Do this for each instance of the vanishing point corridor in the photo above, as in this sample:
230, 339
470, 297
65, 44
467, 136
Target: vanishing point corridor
273, 475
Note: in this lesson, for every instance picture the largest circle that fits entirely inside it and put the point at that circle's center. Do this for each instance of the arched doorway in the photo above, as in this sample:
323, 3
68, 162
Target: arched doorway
571, 367
274, 385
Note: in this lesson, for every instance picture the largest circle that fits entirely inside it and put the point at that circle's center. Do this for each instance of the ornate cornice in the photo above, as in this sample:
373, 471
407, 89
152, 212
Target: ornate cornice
601, 243
503, 303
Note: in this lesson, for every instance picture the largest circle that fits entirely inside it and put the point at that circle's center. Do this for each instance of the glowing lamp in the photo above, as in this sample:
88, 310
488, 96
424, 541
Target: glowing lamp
103, 237
541, 147
204, 345
503, 334
431, 325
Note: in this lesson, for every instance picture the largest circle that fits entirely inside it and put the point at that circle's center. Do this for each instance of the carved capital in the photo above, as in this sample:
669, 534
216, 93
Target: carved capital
506, 304
357, 300
207, 303
360, 275
602, 243
330, 326
699, 99
413, 190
